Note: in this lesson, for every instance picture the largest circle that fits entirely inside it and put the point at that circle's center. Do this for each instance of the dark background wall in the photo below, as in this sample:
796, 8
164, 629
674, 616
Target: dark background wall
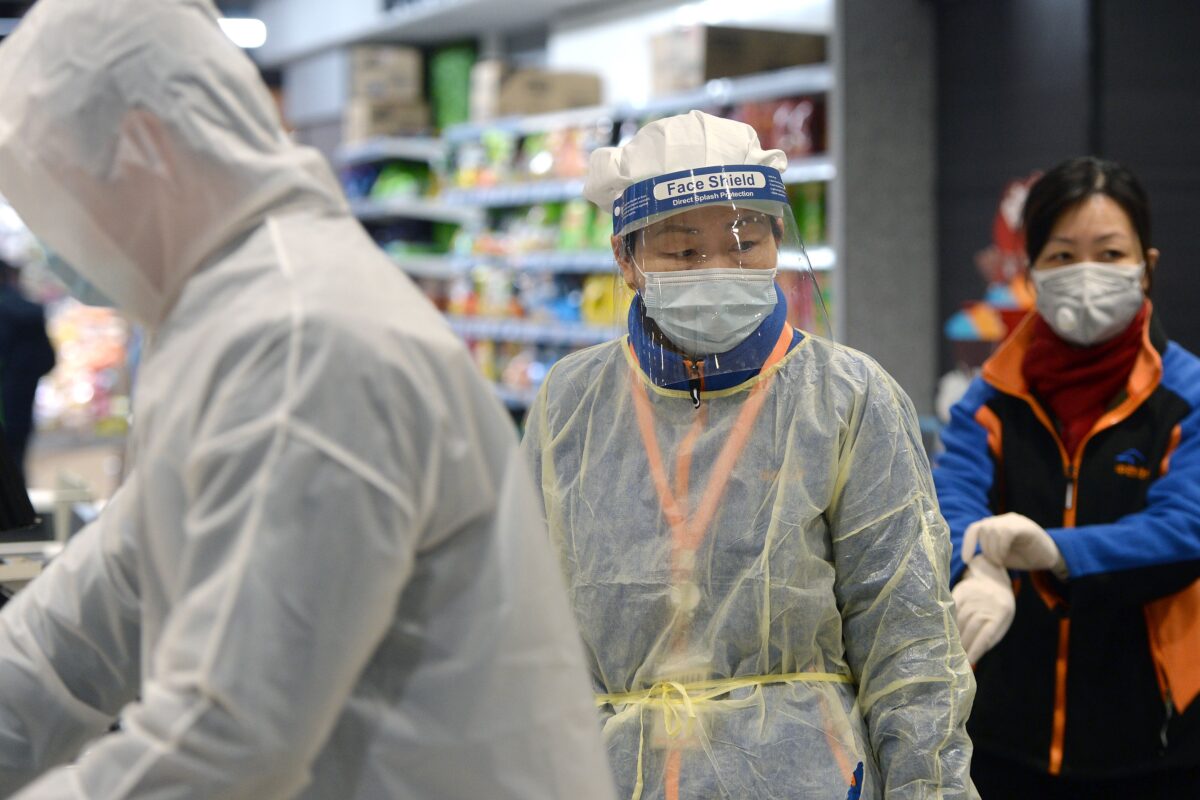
1024, 84
1147, 110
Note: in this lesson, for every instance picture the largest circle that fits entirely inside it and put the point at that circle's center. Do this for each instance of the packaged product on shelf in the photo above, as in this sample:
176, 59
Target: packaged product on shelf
538, 293
566, 148
500, 149
794, 125
358, 179
535, 160
401, 179
450, 84
484, 353
538, 91
600, 133
567, 307
387, 72
808, 204
496, 292
550, 297
515, 363
470, 166
402, 231
487, 75
437, 290
798, 126
605, 299
600, 233
520, 231
689, 57
808, 302
460, 297
575, 225
366, 118
442, 236
87, 392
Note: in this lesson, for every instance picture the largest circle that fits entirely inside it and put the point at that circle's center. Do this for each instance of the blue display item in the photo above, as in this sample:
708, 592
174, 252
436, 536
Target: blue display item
648, 201
358, 180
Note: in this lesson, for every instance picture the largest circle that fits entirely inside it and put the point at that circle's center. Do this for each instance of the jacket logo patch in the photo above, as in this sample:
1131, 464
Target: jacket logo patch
1132, 464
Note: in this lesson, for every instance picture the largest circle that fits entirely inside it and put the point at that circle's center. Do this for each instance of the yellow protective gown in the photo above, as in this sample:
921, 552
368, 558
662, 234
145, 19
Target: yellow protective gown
807, 629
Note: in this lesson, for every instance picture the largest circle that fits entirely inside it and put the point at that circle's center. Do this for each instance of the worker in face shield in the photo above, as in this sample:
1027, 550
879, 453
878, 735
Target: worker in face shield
305, 587
744, 511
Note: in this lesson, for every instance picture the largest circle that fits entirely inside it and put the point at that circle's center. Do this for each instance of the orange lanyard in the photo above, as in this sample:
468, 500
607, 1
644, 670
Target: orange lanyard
687, 534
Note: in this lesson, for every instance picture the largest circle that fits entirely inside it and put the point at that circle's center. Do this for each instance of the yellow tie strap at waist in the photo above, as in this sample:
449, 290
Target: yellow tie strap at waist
674, 697
668, 693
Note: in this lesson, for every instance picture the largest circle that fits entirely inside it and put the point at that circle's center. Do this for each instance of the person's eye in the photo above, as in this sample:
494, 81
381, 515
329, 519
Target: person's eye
1113, 255
744, 246
682, 254
1059, 257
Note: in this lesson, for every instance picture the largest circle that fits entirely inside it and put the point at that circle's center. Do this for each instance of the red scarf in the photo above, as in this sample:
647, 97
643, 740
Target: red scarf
1079, 383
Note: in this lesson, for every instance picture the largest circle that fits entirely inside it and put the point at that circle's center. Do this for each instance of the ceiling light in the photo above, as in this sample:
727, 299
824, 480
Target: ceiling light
245, 33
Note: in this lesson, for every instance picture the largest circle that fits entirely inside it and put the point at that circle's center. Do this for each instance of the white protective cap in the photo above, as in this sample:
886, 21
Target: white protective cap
686, 141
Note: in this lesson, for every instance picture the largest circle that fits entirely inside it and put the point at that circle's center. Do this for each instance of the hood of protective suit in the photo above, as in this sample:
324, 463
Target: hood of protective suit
139, 152
686, 141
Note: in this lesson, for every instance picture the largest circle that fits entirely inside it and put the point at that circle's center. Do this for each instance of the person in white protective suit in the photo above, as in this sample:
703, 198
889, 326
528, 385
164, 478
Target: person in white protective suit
326, 575
743, 511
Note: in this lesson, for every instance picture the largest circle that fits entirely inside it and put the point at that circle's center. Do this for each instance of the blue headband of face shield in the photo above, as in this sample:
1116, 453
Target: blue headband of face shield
654, 198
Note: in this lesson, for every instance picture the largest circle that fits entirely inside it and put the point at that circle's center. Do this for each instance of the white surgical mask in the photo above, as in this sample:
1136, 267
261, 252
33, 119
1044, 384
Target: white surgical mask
1089, 302
707, 311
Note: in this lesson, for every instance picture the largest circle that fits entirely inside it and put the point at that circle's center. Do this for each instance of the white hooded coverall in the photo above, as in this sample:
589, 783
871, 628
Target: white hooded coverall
326, 576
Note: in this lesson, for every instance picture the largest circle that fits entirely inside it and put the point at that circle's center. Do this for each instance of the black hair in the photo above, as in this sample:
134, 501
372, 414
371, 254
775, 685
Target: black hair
1072, 182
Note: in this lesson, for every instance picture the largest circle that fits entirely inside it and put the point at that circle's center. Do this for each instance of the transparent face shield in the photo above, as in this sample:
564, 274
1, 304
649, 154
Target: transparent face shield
716, 259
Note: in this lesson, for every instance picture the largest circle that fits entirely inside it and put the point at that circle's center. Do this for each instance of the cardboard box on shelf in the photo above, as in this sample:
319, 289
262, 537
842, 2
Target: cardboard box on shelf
688, 57
387, 72
366, 118
537, 91
487, 76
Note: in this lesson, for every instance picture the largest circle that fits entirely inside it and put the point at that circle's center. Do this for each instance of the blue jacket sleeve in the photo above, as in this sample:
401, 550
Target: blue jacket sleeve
965, 471
1156, 551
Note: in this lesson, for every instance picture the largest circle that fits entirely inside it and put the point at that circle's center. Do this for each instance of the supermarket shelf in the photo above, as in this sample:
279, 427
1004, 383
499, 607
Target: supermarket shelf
415, 148
445, 266
816, 168
419, 22
414, 208
524, 331
516, 194
431, 266
809, 79
822, 259
587, 262
808, 170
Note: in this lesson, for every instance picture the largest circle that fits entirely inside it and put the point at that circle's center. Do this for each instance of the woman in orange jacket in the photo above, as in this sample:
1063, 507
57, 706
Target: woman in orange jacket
1071, 483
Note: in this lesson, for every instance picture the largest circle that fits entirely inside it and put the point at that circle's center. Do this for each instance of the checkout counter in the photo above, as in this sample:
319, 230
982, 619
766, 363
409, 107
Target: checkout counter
59, 514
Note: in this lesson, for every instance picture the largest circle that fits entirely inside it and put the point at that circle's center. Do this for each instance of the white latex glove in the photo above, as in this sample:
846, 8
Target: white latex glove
985, 606
1013, 540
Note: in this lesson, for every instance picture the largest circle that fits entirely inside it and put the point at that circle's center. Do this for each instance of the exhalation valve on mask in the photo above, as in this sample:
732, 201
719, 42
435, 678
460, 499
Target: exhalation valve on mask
1090, 302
